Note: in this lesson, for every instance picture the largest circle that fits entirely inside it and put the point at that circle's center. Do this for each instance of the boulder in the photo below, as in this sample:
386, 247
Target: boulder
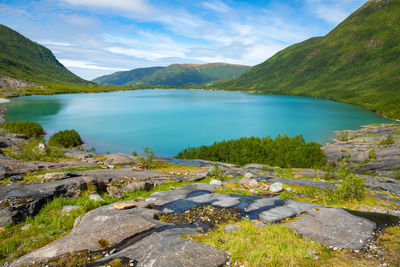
96, 197
124, 206
225, 170
55, 176
230, 228
67, 209
249, 175
216, 182
335, 227
118, 188
120, 159
276, 187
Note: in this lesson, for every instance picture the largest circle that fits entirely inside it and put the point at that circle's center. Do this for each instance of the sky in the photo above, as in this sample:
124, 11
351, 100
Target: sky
97, 37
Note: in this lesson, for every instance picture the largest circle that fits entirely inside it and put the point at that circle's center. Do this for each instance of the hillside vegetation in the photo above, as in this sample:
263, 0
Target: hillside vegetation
174, 75
357, 63
124, 77
25, 60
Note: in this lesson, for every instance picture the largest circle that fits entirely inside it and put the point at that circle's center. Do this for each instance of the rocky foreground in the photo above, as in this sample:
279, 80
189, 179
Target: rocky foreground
133, 232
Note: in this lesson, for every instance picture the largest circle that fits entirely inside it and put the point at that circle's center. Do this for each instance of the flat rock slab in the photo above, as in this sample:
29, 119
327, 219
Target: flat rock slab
167, 249
268, 209
95, 231
335, 227
134, 234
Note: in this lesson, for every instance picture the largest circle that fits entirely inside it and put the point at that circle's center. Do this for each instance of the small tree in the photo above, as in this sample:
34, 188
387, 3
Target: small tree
352, 186
148, 159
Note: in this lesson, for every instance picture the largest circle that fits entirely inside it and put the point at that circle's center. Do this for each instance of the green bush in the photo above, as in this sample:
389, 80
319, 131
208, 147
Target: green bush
387, 141
66, 138
283, 151
148, 159
28, 128
352, 186
34, 150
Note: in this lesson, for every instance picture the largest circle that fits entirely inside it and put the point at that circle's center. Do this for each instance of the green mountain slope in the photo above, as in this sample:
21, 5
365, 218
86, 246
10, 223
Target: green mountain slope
358, 63
124, 77
22, 59
175, 75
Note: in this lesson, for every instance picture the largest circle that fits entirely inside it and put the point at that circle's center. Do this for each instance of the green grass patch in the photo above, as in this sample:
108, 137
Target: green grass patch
275, 245
47, 226
28, 128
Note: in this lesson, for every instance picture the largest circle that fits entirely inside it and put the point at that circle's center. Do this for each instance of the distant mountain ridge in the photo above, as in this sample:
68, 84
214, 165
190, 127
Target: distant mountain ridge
23, 59
174, 75
358, 62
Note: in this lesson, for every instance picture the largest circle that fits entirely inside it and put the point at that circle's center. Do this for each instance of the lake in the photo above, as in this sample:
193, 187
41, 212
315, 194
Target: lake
169, 120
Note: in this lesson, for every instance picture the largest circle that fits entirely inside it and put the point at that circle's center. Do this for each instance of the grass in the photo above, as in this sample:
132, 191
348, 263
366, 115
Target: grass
390, 241
274, 245
47, 226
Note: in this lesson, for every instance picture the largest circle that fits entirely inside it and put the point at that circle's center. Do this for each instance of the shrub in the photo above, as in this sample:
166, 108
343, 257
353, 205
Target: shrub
66, 138
352, 186
283, 151
344, 136
35, 149
387, 141
148, 159
28, 128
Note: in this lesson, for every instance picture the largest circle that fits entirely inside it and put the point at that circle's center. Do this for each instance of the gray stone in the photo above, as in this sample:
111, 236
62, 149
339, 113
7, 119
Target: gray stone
230, 228
228, 170
216, 182
96, 197
15, 178
67, 209
168, 249
249, 175
276, 187
335, 227
120, 159
25, 227
275, 209
258, 224
55, 176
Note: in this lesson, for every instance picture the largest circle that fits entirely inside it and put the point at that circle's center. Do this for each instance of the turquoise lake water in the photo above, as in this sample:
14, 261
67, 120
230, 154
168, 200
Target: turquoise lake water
170, 120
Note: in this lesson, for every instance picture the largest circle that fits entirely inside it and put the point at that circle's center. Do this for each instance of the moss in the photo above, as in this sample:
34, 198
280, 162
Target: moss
80, 258
103, 243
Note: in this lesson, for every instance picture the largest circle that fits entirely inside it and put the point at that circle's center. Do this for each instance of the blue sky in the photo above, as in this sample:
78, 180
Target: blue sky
97, 37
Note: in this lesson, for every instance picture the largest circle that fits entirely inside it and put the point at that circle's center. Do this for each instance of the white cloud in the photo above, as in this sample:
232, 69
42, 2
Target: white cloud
217, 6
333, 11
85, 65
137, 6
55, 43
149, 55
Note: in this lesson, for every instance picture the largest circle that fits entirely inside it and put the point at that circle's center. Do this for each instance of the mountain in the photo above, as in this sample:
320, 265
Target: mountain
22, 59
358, 62
174, 75
123, 77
